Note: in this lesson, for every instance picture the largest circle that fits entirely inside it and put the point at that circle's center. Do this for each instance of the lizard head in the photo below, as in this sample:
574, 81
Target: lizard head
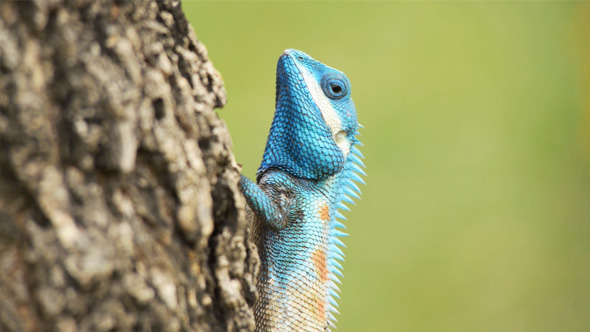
315, 120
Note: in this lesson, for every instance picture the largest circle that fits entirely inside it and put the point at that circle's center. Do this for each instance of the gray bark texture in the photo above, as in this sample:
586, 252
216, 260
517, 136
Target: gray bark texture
119, 200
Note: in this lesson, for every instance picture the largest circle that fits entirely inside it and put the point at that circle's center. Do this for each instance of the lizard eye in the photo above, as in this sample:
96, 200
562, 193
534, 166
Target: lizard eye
334, 86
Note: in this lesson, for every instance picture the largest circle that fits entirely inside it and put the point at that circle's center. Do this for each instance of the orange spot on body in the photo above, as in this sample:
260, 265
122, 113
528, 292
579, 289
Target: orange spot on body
324, 212
319, 260
321, 309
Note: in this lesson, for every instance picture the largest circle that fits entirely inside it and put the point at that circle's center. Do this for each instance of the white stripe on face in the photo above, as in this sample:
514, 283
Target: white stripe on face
328, 112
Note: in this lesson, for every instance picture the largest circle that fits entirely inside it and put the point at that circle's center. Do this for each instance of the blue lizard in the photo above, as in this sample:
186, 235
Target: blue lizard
306, 176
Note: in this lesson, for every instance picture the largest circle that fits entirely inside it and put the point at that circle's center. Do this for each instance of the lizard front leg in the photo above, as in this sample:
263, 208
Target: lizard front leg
262, 205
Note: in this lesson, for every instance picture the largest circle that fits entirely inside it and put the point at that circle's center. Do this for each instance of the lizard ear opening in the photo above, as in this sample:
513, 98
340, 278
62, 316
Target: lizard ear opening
343, 143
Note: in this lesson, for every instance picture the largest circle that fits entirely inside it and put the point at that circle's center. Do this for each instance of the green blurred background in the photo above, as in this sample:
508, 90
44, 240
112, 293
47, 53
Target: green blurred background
476, 213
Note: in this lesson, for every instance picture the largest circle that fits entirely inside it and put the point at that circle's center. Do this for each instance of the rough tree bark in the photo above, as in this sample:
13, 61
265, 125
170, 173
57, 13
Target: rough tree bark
119, 204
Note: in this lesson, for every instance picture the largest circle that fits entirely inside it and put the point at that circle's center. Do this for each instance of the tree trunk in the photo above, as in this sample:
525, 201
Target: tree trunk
119, 203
